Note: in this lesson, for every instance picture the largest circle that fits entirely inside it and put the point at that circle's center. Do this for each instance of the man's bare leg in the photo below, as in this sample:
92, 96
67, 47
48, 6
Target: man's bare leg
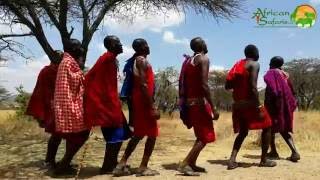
121, 169
273, 154
110, 157
236, 147
295, 156
265, 142
198, 148
52, 149
143, 169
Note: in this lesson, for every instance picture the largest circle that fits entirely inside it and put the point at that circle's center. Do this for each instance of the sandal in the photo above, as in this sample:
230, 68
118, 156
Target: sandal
147, 172
198, 168
65, 172
267, 163
187, 171
295, 157
232, 165
273, 156
121, 170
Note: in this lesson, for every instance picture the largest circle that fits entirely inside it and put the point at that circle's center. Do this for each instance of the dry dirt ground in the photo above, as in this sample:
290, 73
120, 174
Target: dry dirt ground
23, 147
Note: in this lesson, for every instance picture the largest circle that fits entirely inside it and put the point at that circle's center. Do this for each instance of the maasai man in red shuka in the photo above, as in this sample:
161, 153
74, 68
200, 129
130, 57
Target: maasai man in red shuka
68, 105
41, 106
195, 96
247, 113
145, 115
102, 105
280, 103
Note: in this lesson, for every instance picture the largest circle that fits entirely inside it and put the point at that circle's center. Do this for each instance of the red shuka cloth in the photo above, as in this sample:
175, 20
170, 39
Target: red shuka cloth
68, 97
143, 122
41, 102
246, 116
199, 116
102, 106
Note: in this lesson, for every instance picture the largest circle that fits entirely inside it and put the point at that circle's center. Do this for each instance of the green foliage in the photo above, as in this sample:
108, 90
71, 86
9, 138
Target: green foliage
221, 98
4, 94
166, 94
22, 100
305, 77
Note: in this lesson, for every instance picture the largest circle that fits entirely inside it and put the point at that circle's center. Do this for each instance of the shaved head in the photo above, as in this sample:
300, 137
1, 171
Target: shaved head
251, 51
112, 43
276, 62
141, 46
198, 45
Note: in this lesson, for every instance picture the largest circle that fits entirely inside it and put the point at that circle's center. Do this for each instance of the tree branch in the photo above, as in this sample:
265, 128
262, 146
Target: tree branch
48, 10
15, 35
63, 20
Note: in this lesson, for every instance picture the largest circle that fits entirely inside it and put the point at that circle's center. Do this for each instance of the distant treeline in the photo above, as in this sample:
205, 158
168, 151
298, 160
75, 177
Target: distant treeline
304, 74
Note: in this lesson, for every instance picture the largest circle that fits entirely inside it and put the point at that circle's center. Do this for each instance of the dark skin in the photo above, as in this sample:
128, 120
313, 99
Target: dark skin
203, 61
112, 149
63, 167
252, 67
54, 140
295, 156
141, 65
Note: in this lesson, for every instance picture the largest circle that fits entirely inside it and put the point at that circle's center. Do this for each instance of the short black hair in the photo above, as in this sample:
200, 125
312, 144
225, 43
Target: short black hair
251, 51
71, 45
108, 40
136, 44
276, 62
196, 44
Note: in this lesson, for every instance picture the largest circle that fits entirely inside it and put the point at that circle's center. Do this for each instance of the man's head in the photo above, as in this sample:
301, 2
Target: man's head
58, 57
252, 52
141, 47
198, 45
113, 44
73, 47
276, 62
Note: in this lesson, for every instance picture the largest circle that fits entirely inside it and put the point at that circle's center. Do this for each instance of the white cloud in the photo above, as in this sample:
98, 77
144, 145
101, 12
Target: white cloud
153, 22
315, 2
25, 74
169, 37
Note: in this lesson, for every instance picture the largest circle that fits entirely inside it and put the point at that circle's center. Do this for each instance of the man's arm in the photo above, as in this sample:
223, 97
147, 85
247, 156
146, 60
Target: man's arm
142, 65
253, 68
204, 63
228, 85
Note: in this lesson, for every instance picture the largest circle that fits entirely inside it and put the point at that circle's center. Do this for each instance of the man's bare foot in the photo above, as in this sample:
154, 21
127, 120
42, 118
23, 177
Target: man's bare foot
295, 157
267, 163
232, 165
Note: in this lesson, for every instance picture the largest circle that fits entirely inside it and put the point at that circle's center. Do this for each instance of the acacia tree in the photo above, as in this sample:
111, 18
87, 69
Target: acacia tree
166, 94
4, 94
305, 76
34, 14
221, 98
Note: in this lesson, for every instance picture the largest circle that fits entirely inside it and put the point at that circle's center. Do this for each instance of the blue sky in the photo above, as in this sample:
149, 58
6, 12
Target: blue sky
169, 35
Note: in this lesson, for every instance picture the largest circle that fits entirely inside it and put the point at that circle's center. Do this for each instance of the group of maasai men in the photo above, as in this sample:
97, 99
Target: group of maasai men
68, 103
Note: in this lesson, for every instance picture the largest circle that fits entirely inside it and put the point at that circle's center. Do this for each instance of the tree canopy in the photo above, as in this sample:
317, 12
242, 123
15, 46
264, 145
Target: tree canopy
60, 14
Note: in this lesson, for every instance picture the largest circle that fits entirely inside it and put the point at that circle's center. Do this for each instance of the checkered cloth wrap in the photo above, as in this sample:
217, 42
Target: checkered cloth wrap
68, 97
